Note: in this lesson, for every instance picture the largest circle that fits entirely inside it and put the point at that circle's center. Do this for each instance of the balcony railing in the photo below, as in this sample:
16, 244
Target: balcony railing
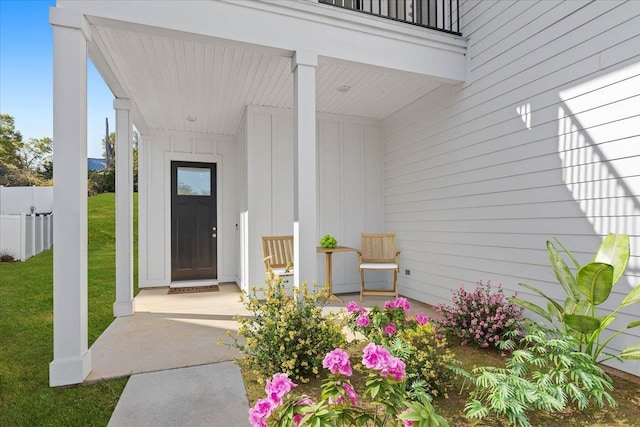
441, 15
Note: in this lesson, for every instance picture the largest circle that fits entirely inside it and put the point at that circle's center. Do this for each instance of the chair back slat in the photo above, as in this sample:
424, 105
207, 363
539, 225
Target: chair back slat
379, 247
278, 251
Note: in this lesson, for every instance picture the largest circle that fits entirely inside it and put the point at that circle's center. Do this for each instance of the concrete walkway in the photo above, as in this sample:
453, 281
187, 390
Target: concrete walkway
168, 331
209, 395
179, 374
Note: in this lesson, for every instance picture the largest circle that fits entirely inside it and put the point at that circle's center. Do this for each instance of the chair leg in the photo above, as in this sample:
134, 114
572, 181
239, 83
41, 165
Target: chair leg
361, 283
395, 282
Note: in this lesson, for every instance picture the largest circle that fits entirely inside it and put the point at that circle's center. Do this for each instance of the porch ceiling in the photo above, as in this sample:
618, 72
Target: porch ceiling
173, 75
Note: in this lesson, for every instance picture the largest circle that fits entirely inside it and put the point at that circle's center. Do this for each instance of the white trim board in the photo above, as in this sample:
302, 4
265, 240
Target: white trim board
189, 157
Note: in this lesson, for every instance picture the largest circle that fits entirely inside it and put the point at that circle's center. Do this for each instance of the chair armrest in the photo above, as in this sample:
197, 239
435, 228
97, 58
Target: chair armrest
267, 261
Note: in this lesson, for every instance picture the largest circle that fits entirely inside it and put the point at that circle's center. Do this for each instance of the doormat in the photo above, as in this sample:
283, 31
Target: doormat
194, 289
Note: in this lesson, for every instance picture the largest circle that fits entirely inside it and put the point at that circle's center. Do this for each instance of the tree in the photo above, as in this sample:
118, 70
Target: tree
35, 152
109, 149
10, 141
104, 181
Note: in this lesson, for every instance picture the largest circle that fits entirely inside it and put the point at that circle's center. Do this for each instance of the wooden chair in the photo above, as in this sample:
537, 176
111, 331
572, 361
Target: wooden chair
278, 254
378, 253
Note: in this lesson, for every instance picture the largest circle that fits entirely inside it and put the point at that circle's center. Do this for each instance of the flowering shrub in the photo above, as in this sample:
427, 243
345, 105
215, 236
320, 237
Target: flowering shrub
339, 403
481, 316
411, 338
287, 335
429, 359
380, 325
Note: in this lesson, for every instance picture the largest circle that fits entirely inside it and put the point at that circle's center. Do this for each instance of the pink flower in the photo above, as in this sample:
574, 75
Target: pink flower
394, 367
336, 401
277, 387
403, 303
374, 356
352, 306
363, 321
304, 401
399, 302
337, 361
390, 328
407, 423
260, 412
378, 358
297, 418
351, 393
421, 319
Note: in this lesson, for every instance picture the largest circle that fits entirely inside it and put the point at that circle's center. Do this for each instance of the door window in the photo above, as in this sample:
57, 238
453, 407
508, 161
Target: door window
194, 181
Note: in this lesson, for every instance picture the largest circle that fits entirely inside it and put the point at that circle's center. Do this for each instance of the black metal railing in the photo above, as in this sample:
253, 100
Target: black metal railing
441, 15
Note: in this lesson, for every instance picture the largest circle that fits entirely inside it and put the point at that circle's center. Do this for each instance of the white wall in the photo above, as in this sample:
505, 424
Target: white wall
17, 200
157, 151
542, 141
25, 235
350, 165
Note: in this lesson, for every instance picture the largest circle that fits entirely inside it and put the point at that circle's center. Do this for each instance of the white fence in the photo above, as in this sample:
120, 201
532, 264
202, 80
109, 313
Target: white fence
25, 235
18, 200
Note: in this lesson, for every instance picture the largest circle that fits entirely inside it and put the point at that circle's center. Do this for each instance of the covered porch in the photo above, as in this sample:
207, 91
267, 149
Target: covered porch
284, 107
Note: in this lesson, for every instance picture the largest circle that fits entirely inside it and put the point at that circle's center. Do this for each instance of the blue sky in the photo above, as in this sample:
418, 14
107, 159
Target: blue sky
26, 46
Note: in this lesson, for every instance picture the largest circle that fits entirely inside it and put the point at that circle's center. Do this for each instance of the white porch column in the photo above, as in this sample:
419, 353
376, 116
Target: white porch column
71, 357
304, 176
124, 305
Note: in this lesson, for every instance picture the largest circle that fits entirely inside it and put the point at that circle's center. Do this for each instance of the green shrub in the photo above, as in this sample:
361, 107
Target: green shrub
483, 316
103, 181
411, 338
587, 289
287, 334
546, 374
428, 360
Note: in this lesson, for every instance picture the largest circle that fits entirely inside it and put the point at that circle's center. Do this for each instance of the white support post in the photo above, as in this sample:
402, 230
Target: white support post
124, 305
71, 356
304, 176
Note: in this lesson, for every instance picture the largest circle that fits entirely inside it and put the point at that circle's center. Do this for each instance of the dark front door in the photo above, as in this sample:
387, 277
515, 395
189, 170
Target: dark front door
194, 228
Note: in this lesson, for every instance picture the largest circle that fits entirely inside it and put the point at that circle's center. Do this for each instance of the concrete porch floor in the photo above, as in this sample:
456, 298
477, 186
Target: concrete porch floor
182, 330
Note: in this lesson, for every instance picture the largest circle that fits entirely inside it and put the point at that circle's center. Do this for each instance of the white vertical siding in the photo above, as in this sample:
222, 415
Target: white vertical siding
154, 224
350, 165
542, 141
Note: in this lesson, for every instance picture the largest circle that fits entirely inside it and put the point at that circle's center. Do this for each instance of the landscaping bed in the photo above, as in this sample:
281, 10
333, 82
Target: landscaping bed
626, 393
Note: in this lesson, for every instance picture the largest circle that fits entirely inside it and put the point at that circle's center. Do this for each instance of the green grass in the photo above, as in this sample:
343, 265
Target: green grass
26, 333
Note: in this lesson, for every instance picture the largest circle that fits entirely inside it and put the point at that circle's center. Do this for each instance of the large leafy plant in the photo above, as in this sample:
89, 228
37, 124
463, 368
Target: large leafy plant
545, 374
586, 290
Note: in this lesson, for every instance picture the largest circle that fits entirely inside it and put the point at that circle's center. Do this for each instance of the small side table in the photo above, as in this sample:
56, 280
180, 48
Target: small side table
328, 252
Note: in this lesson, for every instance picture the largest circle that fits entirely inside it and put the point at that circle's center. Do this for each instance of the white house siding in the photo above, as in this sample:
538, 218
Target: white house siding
542, 141
160, 148
350, 165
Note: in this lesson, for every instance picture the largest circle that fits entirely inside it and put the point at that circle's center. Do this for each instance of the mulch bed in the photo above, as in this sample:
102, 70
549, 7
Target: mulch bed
194, 289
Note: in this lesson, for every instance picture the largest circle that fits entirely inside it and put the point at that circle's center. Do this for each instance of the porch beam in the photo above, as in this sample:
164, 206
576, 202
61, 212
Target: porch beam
290, 26
124, 305
304, 65
71, 356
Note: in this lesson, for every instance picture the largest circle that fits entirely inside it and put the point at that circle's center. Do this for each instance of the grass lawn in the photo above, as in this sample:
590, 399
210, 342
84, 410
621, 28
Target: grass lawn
26, 333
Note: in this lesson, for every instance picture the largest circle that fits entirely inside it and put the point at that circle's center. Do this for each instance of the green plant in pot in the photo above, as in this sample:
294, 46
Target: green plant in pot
587, 289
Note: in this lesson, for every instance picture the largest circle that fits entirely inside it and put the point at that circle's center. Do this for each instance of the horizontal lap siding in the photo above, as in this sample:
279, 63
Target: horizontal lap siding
542, 141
